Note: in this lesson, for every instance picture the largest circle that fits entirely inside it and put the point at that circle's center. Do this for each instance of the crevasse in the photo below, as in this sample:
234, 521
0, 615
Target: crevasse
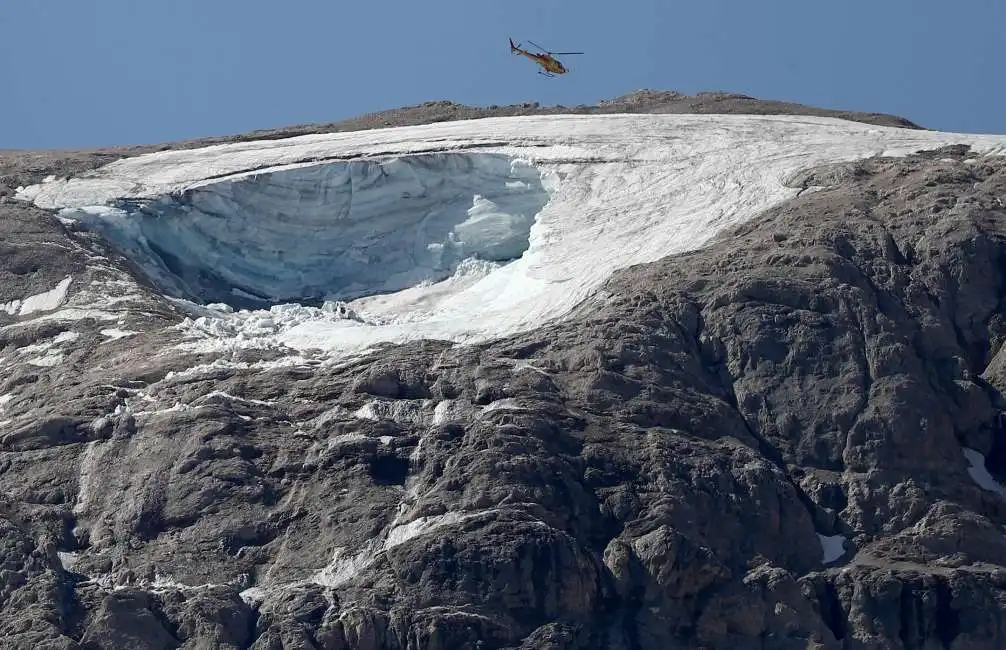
331, 231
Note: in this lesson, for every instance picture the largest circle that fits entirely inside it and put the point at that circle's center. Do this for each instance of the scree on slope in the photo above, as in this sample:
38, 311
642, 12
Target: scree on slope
462, 231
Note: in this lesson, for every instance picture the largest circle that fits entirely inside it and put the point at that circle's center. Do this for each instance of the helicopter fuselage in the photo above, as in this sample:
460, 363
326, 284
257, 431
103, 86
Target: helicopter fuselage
551, 65
547, 62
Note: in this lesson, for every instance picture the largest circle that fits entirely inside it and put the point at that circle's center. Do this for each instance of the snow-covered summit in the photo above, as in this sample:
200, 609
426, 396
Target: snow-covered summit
462, 230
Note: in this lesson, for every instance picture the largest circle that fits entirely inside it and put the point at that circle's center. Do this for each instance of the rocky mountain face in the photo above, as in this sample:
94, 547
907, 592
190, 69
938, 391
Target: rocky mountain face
788, 439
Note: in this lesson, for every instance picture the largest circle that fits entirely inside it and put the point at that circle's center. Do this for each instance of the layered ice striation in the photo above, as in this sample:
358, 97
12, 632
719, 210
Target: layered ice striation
328, 231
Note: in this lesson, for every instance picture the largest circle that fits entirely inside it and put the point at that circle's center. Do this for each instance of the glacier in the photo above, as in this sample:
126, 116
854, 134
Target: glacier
462, 231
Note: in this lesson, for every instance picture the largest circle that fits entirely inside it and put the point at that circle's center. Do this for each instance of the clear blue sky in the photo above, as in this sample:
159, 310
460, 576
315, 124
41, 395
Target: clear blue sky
100, 72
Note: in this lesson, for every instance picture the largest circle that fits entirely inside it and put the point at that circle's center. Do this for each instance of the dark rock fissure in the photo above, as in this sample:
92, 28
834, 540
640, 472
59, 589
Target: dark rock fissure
387, 469
948, 619
832, 612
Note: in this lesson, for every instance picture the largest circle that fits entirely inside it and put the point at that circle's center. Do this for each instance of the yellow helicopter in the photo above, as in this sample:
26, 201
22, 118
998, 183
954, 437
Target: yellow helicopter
552, 66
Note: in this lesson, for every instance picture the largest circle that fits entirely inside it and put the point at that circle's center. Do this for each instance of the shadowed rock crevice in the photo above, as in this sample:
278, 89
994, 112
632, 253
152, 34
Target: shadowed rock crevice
832, 611
389, 470
948, 619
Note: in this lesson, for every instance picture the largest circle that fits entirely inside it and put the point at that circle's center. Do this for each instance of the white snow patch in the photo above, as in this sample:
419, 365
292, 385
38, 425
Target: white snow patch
163, 583
49, 360
403, 411
50, 357
217, 365
253, 595
4, 399
422, 525
233, 398
414, 457
832, 547
34, 348
74, 314
980, 474
29, 194
174, 408
116, 333
89, 471
453, 411
342, 568
67, 559
66, 337
522, 365
45, 301
505, 404
115, 581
